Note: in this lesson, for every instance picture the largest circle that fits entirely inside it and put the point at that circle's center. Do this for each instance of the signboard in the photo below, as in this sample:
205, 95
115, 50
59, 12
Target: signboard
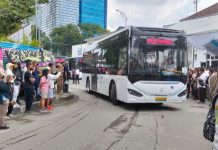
160, 41
19, 55
77, 50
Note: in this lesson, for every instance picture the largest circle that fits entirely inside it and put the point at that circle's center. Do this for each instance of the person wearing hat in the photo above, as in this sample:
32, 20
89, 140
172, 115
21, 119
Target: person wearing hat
4, 101
60, 79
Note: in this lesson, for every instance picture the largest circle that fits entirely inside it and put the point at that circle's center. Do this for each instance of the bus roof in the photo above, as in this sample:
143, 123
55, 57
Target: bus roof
140, 31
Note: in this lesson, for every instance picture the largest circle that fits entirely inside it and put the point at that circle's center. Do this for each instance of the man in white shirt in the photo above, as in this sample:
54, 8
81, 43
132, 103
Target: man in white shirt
51, 80
201, 85
77, 72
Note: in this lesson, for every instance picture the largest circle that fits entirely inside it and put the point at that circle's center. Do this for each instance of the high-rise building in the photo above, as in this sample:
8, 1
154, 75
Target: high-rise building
62, 12
58, 13
94, 11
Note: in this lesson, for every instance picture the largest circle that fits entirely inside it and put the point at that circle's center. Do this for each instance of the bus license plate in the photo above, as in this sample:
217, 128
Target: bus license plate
160, 99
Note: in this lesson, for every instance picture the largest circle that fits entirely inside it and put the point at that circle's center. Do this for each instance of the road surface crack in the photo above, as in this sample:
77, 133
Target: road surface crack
125, 130
156, 131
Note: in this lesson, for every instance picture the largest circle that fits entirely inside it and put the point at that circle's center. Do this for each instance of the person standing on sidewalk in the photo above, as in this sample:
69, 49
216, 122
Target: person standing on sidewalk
77, 75
37, 79
10, 84
60, 80
44, 87
201, 84
29, 86
51, 80
17, 82
189, 80
215, 142
4, 101
66, 78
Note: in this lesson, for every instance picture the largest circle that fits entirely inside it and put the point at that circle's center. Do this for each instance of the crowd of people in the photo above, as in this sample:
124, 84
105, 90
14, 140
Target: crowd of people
202, 84
33, 83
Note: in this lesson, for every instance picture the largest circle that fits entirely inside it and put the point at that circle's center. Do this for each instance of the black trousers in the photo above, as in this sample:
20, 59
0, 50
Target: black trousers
65, 88
202, 94
74, 78
29, 92
188, 89
77, 79
10, 108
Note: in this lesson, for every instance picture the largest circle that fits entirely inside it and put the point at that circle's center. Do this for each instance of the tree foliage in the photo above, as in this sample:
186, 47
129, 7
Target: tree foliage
61, 39
14, 12
91, 30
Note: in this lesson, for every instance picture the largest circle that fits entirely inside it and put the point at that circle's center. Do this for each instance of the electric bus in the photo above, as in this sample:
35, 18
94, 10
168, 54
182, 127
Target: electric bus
138, 65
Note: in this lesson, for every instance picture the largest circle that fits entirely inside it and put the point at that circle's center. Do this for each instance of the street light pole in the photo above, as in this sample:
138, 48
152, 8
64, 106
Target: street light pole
81, 40
36, 18
196, 5
124, 16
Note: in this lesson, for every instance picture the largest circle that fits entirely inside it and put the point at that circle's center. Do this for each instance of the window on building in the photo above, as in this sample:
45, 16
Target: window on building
208, 56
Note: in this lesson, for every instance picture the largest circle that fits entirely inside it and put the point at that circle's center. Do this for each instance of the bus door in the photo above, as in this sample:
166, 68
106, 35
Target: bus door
94, 82
94, 74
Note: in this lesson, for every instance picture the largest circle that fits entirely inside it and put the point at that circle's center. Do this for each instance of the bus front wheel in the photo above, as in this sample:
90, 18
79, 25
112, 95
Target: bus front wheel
113, 94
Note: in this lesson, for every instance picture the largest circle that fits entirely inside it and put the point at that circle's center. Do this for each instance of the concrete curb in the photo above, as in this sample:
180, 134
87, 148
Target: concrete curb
35, 105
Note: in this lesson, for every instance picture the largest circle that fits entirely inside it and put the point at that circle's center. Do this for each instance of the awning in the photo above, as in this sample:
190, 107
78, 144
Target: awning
9, 45
208, 41
202, 32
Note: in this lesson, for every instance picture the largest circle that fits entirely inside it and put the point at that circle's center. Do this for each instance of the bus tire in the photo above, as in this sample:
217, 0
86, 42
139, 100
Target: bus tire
113, 94
159, 104
88, 88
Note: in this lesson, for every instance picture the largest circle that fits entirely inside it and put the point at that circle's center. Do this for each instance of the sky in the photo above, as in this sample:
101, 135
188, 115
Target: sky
152, 13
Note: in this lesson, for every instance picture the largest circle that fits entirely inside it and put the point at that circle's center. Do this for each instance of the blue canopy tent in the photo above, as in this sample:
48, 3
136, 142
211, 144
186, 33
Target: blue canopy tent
16, 51
9, 45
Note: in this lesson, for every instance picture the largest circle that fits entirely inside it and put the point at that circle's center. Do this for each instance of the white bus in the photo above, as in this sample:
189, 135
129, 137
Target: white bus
138, 65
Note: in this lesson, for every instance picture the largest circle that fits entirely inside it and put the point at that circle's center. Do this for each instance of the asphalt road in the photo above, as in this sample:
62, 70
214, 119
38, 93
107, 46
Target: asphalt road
91, 122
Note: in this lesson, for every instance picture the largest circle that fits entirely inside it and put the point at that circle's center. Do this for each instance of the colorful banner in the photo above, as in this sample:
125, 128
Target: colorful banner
21, 56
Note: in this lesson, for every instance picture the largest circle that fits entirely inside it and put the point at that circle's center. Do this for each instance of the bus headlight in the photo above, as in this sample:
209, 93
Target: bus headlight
182, 93
135, 93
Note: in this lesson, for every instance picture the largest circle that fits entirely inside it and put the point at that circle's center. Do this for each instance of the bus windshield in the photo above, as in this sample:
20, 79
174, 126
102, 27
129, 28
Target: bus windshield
158, 58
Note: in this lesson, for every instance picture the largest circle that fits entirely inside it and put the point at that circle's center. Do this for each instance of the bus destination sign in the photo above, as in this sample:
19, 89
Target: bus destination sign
160, 41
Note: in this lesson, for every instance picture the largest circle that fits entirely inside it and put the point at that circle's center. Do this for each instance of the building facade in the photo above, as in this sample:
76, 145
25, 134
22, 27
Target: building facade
94, 11
62, 12
59, 13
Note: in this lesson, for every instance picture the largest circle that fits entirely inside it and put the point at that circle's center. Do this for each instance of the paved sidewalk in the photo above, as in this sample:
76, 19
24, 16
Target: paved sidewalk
35, 105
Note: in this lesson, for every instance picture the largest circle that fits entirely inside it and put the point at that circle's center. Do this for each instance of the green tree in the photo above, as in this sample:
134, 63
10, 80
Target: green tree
61, 39
91, 30
14, 12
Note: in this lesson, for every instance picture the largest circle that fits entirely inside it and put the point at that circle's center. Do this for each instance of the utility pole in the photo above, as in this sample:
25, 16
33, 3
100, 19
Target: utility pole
36, 18
196, 5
